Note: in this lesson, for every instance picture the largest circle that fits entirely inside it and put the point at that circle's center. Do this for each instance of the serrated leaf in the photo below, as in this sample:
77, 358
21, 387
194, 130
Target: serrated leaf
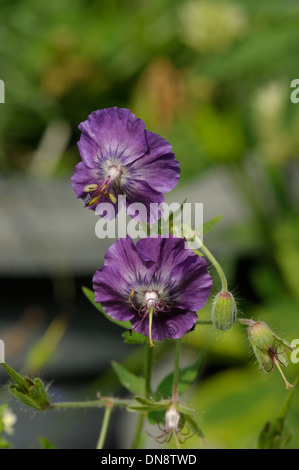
130, 381
133, 337
91, 297
186, 378
46, 444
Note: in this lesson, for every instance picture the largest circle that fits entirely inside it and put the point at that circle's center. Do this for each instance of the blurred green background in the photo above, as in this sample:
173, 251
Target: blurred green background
213, 77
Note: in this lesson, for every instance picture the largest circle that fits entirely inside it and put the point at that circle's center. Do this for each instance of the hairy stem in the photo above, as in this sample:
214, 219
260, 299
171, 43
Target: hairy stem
217, 267
92, 403
147, 392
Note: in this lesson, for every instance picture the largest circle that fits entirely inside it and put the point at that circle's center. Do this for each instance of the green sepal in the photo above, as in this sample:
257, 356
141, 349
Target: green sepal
30, 392
22, 382
193, 426
185, 410
147, 405
26, 399
39, 394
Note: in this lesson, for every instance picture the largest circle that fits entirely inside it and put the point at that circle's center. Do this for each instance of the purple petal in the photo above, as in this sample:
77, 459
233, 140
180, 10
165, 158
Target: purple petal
82, 177
159, 167
112, 292
191, 283
140, 192
89, 150
123, 255
174, 324
118, 135
165, 252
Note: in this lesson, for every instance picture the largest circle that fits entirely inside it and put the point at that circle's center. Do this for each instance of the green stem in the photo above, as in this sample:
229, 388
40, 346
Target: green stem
138, 431
147, 393
104, 428
148, 371
176, 370
92, 403
204, 322
193, 234
216, 265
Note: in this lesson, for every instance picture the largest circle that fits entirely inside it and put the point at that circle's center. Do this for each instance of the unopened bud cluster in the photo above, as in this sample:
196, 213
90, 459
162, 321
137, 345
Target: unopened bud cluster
30, 392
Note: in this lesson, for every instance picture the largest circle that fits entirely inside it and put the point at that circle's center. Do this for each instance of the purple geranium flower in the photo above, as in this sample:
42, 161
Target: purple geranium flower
120, 157
157, 285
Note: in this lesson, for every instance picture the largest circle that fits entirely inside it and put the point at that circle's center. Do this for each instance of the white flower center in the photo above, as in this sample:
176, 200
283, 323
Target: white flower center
151, 298
114, 173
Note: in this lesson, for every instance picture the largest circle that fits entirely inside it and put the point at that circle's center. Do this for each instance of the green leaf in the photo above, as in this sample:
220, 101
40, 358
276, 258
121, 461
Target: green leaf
207, 226
186, 378
130, 381
91, 297
133, 337
274, 434
46, 444
4, 444
2, 410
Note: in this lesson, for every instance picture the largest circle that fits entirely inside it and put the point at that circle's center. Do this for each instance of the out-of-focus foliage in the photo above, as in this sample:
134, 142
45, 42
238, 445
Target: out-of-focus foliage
213, 77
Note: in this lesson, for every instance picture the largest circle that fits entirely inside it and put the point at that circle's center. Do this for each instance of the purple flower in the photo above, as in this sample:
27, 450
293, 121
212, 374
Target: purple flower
157, 285
120, 157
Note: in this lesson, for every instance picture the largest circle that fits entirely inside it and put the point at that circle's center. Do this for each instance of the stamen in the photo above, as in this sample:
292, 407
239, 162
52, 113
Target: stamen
90, 187
112, 198
97, 191
131, 295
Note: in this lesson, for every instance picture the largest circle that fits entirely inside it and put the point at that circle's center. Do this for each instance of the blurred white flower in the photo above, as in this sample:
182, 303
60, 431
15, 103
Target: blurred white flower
209, 25
9, 420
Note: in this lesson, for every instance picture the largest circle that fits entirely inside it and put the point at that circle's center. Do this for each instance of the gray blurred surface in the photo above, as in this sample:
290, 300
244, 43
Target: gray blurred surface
45, 229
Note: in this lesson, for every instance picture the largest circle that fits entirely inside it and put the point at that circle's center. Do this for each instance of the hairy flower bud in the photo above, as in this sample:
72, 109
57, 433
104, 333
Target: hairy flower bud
269, 349
224, 310
31, 392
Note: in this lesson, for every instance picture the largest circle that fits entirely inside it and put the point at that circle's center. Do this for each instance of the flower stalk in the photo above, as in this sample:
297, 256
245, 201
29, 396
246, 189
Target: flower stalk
104, 427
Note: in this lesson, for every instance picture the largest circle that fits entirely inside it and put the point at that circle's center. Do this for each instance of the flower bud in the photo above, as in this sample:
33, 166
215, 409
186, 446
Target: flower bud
31, 392
224, 310
269, 349
260, 335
